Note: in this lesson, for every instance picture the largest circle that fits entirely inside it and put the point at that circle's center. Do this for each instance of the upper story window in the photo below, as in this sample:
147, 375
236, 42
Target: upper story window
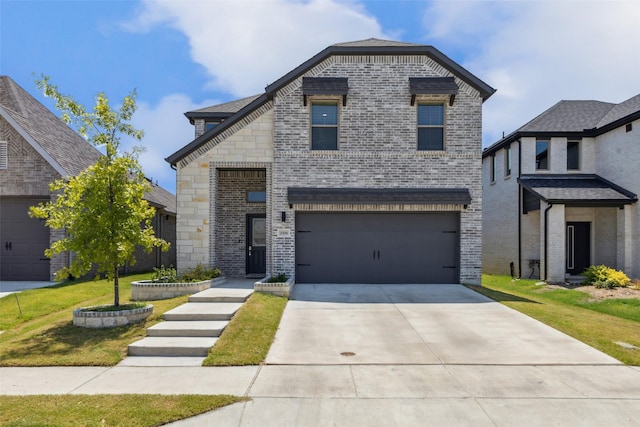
507, 161
492, 168
324, 125
4, 155
573, 155
430, 126
542, 154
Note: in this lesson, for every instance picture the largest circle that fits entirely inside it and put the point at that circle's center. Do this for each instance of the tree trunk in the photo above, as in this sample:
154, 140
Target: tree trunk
116, 287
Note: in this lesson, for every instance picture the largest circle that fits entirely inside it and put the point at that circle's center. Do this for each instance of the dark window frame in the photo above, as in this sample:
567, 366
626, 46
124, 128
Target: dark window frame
426, 145
508, 163
573, 163
546, 158
317, 129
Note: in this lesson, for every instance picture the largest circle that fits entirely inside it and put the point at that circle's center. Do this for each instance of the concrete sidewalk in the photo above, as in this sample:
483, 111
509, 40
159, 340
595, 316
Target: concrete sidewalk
407, 395
11, 287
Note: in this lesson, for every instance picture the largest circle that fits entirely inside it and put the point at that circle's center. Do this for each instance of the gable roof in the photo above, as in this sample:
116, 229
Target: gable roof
362, 47
574, 119
66, 151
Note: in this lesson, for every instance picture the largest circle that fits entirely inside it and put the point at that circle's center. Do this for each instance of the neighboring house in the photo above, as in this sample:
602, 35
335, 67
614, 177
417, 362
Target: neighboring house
36, 148
362, 165
560, 193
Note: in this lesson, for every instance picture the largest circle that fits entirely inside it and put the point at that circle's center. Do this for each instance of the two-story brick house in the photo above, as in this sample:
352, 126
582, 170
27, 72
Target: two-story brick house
560, 193
36, 148
362, 165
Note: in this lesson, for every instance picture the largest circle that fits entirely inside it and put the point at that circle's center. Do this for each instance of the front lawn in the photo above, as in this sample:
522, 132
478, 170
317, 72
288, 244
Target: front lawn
131, 410
38, 327
599, 324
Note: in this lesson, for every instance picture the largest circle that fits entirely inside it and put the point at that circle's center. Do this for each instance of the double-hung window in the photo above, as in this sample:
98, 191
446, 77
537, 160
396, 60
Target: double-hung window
542, 154
430, 127
324, 125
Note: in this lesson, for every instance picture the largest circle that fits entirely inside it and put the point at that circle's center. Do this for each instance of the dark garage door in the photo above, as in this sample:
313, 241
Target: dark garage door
22, 241
377, 247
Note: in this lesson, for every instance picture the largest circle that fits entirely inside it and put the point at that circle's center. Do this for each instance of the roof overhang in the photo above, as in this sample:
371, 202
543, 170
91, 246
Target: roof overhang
584, 190
433, 86
376, 196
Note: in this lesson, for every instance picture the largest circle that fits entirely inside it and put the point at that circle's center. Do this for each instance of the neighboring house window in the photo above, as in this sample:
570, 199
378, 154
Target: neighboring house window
542, 154
492, 168
4, 155
430, 126
573, 155
256, 196
507, 161
324, 126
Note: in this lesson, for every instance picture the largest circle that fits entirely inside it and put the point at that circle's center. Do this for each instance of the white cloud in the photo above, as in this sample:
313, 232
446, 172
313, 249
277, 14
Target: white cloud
537, 53
166, 130
246, 45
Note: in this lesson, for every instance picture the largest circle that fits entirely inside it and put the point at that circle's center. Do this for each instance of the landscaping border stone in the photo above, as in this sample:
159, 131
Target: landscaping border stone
146, 290
85, 318
281, 289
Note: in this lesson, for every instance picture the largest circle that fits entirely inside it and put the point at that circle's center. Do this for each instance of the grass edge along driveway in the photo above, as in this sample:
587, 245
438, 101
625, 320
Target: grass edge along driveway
131, 410
599, 324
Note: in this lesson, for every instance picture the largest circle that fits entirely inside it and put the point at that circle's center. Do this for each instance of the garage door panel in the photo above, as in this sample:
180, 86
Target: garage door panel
377, 248
22, 241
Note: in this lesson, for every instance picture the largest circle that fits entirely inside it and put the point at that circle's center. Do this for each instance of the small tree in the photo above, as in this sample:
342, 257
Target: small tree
103, 209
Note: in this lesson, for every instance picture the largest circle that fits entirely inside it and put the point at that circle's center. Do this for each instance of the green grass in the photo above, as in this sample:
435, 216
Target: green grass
106, 410
597, 323
248, 337
44, 335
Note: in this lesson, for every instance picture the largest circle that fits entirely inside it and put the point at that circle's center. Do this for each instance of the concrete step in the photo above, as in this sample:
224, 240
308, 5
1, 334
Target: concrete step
175, 361
203, 311
221, 295
194, 328
172, 346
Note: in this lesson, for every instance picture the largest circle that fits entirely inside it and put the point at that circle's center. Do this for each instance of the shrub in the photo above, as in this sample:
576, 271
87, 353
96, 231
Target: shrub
279, 278
199, 273
164, 275
601, 276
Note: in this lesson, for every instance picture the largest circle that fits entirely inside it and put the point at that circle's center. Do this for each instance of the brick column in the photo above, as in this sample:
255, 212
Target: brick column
555, 241
624, 241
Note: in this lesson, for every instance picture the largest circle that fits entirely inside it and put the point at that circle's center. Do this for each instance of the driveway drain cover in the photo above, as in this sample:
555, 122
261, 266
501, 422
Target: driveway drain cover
347, 353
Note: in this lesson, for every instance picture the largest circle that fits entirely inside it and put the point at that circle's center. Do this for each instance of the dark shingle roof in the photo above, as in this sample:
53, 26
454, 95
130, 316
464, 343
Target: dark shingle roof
161, 198
574, 118
227, 107
621, 110
373, 196
569, 116
67, 151
432, 85
373, 42
325, 85
61, 146
577, 190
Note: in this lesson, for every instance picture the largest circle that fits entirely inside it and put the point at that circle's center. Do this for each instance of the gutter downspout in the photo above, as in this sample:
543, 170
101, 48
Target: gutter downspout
520, 202
546, 238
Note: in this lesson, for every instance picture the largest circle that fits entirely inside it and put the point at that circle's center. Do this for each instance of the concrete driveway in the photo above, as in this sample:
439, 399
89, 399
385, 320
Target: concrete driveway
329, 324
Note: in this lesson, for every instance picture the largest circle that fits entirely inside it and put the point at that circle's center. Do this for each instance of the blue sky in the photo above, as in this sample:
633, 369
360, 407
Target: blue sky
182, 55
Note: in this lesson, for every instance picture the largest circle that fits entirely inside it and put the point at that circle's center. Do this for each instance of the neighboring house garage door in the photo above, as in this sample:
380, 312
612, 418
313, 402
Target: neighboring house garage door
377, 247
22, 242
